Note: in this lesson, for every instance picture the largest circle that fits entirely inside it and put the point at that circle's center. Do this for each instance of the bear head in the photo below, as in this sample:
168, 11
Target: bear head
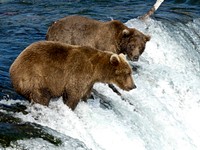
122, 75
133, 43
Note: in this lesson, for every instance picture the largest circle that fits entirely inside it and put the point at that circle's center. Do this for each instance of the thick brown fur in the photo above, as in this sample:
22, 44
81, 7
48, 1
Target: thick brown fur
48, 69
111, 36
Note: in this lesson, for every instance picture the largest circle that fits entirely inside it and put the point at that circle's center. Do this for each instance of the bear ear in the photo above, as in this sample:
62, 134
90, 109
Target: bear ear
114, 60
122, 56
125, 32
147, 37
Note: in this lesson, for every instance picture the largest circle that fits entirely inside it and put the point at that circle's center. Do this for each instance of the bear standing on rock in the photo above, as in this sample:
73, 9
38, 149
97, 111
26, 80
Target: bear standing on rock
48, 69
111, 36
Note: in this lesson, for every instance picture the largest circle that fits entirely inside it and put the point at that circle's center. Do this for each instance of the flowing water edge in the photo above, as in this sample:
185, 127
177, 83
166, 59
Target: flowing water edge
161, 114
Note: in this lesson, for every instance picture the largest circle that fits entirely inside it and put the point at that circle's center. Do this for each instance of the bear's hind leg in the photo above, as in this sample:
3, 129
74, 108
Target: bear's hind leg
70, 100
41, 96
72, 103
87, 94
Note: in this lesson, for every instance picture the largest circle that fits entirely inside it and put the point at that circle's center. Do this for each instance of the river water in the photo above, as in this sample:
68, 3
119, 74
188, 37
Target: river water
161, 114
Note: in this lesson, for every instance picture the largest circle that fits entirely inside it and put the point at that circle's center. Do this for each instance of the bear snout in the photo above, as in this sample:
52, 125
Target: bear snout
132, 87
135, 58
128, 88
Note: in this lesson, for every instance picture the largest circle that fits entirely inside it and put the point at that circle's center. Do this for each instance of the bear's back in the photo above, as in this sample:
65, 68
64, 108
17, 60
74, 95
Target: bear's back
50, 64
79, 30
42, 52
45, 55
72, 30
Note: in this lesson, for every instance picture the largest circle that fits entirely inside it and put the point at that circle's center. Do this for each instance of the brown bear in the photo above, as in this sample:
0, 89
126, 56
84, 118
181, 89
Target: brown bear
48, 69
111, 36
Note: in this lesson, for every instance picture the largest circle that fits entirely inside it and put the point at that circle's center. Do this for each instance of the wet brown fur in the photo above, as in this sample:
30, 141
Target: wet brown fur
111, 36
48, 69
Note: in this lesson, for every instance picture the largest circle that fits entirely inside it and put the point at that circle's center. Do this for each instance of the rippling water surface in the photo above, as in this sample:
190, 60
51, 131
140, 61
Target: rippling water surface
24, 22
162, 113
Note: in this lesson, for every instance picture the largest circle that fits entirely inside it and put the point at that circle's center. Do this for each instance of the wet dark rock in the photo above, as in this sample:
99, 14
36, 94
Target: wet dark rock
105, 104
17, 107
13, 129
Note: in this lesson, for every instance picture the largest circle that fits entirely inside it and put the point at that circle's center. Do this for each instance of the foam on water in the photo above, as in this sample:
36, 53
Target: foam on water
162, 113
